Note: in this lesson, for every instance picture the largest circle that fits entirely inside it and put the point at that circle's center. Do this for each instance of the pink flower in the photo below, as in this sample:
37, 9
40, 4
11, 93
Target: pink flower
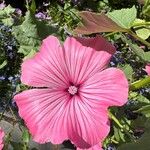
147, 69
95, 147
1, 139
73, 91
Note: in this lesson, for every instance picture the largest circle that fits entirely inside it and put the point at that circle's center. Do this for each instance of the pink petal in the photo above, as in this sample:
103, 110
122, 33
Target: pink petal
47, 68
96, 147
88, 122
147, 69
44, 113
85, 57
1, 139
109, 87
52, 116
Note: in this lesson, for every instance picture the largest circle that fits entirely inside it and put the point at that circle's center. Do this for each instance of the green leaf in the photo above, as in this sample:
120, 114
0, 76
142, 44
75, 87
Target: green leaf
124, 17
142, 99
3, 64
143, 33
45, 29
31, 32
8, 21
27, 43
142, 143
128, 70
33, 6
144, 56
6, 11
25, 136
29, 25
27, 35
142, 28
6, 15
145, 110
135, 96
30, 54
147, 56
146, 8
118, 134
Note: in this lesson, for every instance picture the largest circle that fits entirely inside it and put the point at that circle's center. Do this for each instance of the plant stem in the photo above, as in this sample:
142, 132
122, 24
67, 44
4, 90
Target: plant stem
138, 38
114, 141
115, 120
140, 83
109, 34
141, 24
132, 34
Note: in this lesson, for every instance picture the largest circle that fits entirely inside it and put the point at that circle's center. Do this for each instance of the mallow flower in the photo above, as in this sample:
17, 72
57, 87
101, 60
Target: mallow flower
95, 147
1, 139
73, 89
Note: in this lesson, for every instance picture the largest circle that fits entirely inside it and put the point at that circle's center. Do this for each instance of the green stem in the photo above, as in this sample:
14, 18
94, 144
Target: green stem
115, 120
141, 24
140, 83
27, 3
114, 141
109, 34
138, 38
132, 34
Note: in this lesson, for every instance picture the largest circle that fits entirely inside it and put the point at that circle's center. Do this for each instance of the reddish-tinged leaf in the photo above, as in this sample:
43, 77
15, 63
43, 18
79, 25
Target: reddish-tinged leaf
95, 23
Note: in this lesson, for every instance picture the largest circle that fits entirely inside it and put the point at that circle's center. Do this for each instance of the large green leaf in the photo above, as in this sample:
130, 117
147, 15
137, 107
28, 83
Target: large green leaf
6, 15
27, 35
124, 17
31, 32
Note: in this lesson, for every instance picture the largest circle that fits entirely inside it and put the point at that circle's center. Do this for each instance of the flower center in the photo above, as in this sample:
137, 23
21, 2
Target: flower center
72, 90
